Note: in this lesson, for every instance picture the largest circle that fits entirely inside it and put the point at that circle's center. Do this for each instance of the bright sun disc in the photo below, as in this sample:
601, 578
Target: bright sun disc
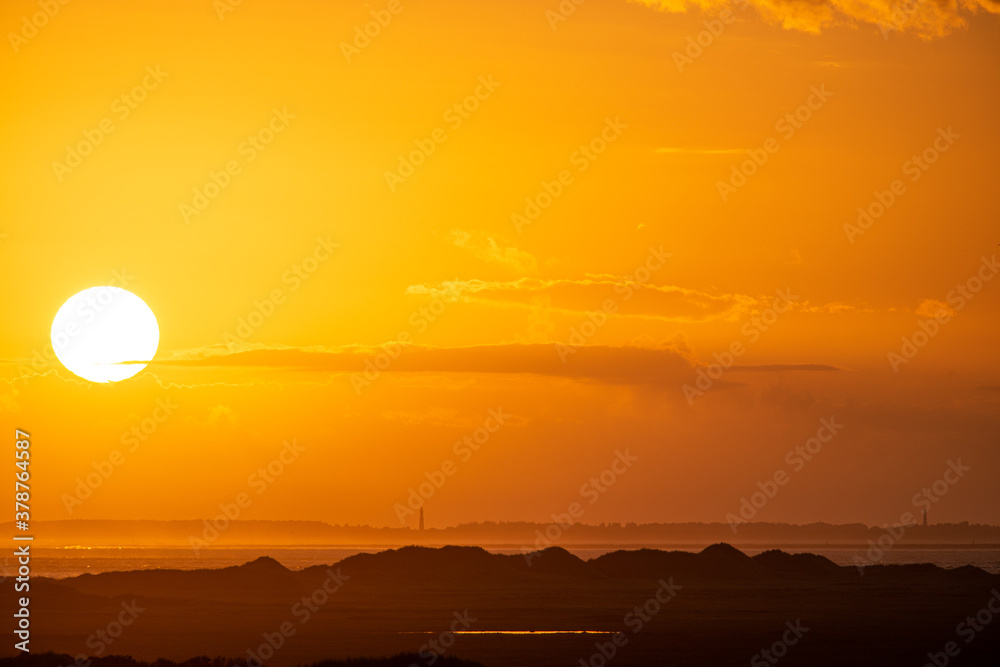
101, 327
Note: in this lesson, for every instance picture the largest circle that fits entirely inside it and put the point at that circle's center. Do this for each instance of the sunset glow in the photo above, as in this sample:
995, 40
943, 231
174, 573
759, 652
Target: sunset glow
692, 231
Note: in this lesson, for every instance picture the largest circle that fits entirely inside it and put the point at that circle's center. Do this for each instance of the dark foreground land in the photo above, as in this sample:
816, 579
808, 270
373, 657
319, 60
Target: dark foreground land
58, 660
717, 607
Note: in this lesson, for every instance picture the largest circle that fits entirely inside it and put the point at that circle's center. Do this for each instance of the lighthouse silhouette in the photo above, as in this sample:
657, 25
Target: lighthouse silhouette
422, 518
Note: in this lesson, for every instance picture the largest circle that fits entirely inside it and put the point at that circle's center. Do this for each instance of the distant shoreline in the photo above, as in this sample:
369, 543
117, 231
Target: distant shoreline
511, 545
221, 532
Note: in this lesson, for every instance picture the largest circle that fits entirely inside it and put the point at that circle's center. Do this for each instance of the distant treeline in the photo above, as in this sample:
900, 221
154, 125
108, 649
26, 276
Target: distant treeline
517, 534
59, 660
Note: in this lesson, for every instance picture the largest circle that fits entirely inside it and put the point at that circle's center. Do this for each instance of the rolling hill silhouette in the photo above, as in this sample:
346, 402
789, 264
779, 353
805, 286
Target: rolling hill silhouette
397, 601
261, 579
265, 578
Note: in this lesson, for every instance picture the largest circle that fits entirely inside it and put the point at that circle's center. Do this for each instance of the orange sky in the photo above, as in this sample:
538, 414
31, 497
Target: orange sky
582, 319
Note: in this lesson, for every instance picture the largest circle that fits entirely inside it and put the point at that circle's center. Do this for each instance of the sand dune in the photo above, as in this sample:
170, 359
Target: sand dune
726, 608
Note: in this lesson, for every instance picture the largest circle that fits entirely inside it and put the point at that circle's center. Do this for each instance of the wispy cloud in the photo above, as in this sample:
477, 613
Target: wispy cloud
836, 308
927, 19
489, 249
934, 308
665, 302
664, 365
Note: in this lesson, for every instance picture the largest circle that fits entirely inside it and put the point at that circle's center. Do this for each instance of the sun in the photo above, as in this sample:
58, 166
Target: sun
101, 327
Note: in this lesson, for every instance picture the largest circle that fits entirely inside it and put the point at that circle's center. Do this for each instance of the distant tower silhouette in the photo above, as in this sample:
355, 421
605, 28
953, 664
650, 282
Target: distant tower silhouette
925, 518
422, 518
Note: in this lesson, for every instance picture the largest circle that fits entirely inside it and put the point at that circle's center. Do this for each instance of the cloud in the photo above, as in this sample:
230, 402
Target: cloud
487, 248
927, 19
579, 296
934, 308
836, 308
629, 365
668, 365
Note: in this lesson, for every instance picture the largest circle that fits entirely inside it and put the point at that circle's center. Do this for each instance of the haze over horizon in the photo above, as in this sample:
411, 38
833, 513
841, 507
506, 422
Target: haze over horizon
516, 258
547, 333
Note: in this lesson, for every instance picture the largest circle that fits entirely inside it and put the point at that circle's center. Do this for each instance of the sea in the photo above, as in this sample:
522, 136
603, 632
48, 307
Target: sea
71, 561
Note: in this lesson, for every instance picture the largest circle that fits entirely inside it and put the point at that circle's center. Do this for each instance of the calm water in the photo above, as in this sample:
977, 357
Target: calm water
71, 561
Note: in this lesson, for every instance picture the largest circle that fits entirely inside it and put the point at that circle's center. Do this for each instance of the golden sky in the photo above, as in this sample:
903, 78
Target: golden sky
566, 216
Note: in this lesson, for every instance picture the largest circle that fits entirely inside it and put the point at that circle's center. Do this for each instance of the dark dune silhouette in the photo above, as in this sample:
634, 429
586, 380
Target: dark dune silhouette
462, 563
553, 561
719, 562
261, 579
726, 608
804, 565
266, 578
